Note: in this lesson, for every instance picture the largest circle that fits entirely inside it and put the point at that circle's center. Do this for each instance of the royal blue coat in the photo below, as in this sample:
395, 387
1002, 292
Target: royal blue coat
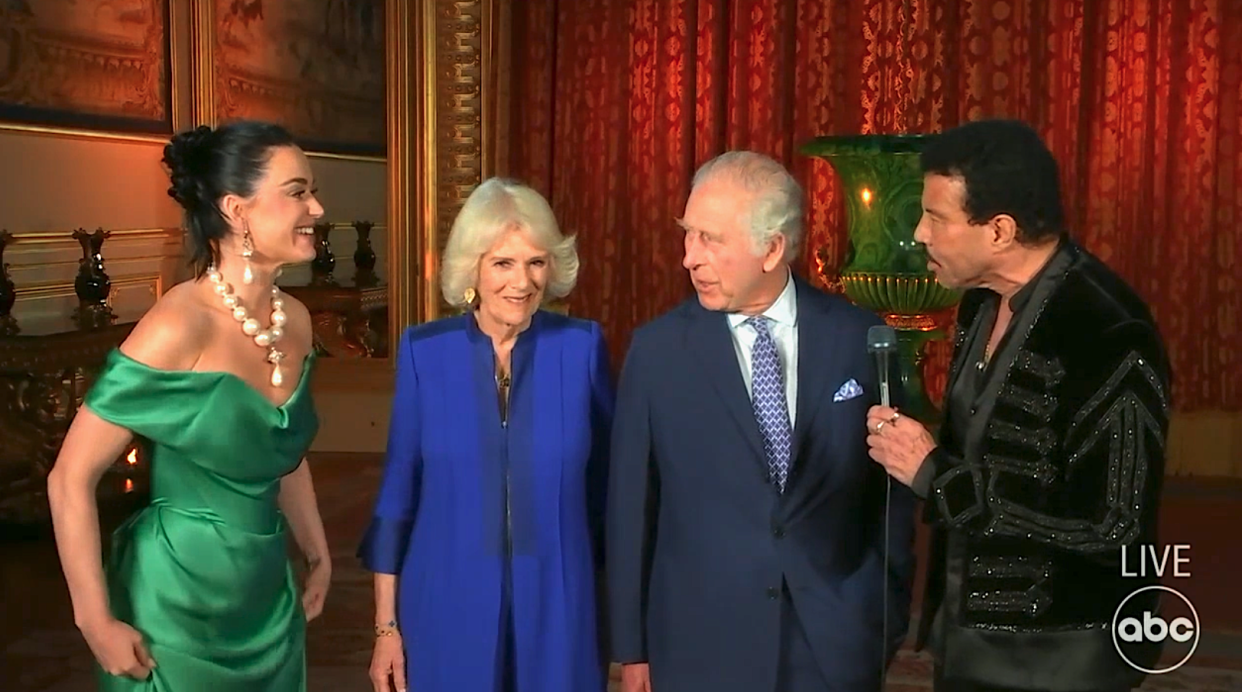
463, 494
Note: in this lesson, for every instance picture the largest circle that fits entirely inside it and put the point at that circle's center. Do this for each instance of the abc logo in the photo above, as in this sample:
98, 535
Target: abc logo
1175, 628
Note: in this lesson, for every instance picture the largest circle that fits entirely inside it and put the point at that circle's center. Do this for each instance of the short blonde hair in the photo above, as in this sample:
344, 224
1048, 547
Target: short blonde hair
496, 207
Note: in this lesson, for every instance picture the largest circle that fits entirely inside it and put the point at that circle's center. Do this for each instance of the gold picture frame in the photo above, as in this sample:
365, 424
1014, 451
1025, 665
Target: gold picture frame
23, 37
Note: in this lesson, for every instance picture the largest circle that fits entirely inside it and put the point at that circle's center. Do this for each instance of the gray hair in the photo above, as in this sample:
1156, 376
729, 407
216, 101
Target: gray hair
496, 207
776, 203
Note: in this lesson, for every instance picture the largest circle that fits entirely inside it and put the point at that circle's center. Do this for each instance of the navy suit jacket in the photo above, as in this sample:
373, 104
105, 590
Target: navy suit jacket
699, 542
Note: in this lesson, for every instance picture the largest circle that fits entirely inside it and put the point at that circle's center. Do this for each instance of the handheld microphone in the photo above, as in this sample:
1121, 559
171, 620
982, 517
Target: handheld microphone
882, 342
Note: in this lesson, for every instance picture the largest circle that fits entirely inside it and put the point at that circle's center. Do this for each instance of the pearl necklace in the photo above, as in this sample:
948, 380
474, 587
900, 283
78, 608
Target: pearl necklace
263, 338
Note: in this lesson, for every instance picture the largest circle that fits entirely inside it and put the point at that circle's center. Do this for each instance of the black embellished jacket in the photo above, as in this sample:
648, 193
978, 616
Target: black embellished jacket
1051, 458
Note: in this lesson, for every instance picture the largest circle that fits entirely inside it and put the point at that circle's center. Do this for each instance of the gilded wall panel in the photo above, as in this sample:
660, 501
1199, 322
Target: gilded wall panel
443, 90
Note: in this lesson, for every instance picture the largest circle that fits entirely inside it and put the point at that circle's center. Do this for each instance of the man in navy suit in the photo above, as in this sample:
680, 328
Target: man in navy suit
746, 522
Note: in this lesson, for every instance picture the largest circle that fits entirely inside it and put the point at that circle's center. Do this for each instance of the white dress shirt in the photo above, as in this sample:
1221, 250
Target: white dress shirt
784, 328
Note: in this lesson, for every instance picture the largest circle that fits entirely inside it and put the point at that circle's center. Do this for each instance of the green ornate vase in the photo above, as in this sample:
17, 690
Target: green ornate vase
885, 270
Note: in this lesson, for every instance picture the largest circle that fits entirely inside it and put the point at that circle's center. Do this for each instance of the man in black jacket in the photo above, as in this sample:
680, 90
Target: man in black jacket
1051, 454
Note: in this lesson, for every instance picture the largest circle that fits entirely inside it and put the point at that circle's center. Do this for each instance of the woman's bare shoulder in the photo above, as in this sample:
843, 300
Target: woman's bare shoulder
171, 335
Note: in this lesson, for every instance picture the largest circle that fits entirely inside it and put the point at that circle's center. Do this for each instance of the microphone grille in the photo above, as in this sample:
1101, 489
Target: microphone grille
880, 338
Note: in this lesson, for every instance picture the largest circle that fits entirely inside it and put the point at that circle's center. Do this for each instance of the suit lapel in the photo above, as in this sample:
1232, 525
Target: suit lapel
820, 371
816, 354
712, 342
1047, 283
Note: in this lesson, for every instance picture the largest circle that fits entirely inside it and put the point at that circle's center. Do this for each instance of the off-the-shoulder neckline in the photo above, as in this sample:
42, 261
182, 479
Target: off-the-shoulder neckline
224, 374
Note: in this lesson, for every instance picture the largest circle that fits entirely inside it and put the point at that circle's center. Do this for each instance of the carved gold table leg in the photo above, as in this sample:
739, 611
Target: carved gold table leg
44, 375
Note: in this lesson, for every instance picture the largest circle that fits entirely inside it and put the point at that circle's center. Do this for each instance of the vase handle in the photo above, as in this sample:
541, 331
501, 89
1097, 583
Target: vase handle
831, 280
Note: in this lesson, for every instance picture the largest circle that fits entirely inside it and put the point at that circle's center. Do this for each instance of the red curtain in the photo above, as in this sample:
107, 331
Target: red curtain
616, 102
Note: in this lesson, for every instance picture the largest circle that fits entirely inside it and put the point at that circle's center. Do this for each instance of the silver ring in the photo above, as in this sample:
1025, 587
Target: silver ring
893, 420
879, 425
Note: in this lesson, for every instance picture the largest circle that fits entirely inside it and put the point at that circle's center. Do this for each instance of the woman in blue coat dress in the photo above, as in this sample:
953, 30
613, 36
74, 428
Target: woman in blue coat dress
486, 534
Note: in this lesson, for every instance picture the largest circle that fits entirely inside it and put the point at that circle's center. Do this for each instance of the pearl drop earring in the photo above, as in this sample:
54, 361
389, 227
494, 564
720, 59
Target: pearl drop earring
247, 253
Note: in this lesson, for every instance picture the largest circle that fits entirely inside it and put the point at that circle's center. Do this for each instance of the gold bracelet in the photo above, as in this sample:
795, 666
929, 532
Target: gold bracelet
388, 629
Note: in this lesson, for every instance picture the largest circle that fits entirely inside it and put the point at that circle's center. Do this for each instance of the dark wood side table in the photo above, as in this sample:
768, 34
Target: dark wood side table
350, 319
46, 368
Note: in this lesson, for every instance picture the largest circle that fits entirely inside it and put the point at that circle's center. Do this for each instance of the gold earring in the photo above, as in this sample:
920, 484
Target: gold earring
470, 295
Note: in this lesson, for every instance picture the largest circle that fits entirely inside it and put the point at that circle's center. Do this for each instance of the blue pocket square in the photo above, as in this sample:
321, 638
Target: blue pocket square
849, 390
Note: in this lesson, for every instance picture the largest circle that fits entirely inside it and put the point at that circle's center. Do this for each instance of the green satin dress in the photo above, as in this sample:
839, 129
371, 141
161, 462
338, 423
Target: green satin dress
203, 572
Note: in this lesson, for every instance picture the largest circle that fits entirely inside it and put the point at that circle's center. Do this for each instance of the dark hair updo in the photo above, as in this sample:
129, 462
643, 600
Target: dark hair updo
204, 165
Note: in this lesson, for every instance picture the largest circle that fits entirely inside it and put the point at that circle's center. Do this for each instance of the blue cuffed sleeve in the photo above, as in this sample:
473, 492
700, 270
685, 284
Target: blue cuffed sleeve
386, 539
384, 543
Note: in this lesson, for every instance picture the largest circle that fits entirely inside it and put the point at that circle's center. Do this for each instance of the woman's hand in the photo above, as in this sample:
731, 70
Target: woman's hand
315, 591
119, 649
635, 677
388, 664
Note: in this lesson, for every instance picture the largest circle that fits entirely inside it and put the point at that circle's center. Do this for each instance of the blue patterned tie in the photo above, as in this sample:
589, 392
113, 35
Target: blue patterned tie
768, 398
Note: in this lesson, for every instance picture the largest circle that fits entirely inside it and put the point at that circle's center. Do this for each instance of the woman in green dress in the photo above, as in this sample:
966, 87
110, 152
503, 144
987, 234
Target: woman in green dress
198, 592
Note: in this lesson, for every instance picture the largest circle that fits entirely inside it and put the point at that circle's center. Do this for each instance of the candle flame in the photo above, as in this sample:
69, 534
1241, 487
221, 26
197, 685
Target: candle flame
129, 485
133, 457
866, 196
